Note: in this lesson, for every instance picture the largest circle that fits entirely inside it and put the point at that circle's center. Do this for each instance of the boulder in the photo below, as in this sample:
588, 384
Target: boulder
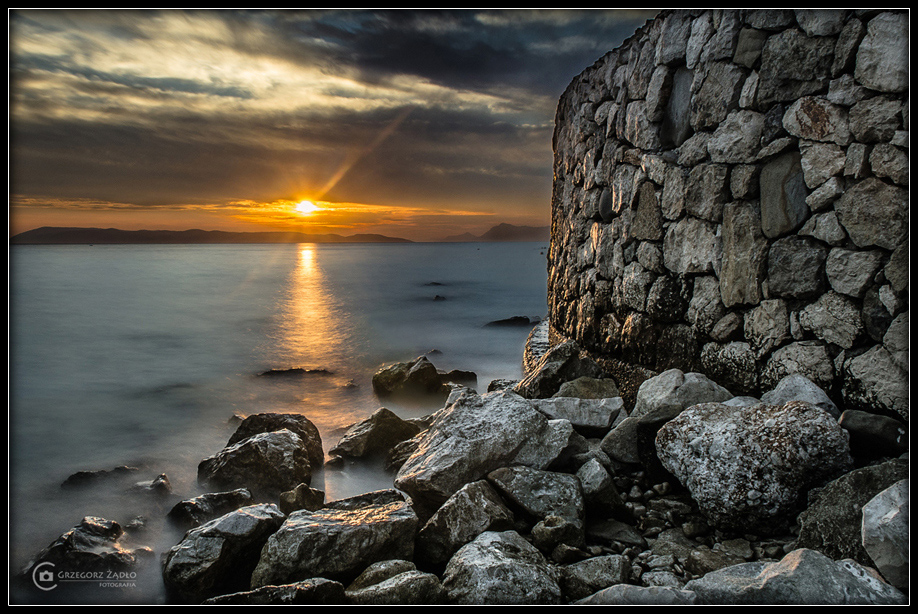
584, 578
629, 594
390, 583
562, 363
873, 435
884, 533
314, 591
472, 437
86, 478
94, 546
748, 467
800, 388
218, 557
832, 521
588, 416
589, 388
266, 463
501, 568
303, 497
196, 511
674, 391
802, 577
336, 544
377, 434
540, 494
472, 510
296, 423
418, 376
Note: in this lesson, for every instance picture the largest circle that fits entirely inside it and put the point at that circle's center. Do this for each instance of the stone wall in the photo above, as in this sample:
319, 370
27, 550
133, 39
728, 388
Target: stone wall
731, 197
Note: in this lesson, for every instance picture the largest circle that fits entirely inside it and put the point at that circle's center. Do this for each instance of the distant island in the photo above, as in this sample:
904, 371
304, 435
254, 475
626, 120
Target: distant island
49, 235
52, 235
505, 232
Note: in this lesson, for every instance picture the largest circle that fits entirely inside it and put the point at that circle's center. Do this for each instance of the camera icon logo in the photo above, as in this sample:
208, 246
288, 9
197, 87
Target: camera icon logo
43, 577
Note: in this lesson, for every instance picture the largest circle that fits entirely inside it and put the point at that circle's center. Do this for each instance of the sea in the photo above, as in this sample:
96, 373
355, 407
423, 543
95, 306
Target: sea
146, 355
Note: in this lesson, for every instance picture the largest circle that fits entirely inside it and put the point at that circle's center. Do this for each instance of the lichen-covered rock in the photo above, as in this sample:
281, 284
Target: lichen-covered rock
219, 556
803, 577
501, 569
335, 544
749, 466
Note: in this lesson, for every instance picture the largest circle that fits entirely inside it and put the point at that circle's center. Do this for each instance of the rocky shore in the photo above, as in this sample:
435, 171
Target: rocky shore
549, 490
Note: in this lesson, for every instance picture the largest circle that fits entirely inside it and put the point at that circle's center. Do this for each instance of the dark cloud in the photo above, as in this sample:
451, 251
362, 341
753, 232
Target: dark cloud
164, 107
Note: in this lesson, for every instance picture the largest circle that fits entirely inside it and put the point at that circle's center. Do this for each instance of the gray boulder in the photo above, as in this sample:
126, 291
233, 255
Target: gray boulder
376, 434
196, 511
584, 578
587, 416
674, 391
884, 533
472, 510
395, 583
266, 463
501, 569
589, 388
802, 577
540, 494
418, 376
799, 388
832, 521
629, 594
472, 437
335, 544
218, 557
747, 467
296, 423
560, 364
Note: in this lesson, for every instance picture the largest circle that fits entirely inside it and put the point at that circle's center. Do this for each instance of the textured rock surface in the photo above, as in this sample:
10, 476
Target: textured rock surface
218, 557
884, 533
501, 569
770, 165
335, 544
803, 577
748, 467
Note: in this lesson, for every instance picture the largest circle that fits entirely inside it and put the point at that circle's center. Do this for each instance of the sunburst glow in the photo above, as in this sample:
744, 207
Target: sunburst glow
306, 207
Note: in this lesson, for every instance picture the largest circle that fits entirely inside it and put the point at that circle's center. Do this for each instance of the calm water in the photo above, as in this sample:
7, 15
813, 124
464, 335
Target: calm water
141, 355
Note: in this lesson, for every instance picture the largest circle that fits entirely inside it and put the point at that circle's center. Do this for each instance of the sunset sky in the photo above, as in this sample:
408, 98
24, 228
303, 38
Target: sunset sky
414, 124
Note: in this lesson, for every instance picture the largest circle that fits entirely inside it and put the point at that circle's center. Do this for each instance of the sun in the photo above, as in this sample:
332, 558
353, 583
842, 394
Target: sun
306, 207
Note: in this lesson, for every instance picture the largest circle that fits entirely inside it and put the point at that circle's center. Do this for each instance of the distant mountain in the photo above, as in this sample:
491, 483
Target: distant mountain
505, 232
48, 235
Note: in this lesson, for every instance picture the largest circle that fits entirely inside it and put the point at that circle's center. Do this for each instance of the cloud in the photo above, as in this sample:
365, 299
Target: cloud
445, 110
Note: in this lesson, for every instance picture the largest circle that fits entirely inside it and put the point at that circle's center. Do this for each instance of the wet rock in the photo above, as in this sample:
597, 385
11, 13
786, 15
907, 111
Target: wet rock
296, 423
335, 544
584, 578
803, 577
377, 434
82, 479
159, 486
747, 467
303, 497
419, 376
219, 556
95, 546
198, 510
267, 463
513, 321
874, 436
501, 569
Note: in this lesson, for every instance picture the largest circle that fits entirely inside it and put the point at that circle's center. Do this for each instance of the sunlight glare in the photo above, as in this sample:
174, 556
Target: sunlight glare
306, 207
